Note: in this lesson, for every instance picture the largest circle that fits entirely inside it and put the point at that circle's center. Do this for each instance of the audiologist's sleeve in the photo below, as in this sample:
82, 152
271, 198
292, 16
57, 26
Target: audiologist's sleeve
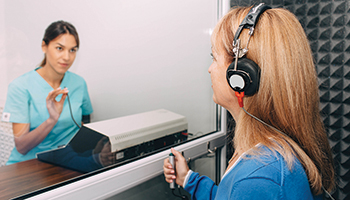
87, 107
17, 104
201, 187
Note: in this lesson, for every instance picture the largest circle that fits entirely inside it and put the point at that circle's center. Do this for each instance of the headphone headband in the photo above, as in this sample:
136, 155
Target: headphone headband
243, 74
251, 19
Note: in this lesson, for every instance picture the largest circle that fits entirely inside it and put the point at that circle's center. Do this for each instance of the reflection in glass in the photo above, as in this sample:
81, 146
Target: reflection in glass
118, 140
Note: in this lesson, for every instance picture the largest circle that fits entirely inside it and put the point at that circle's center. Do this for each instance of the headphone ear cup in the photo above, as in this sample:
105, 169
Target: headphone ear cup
246, 78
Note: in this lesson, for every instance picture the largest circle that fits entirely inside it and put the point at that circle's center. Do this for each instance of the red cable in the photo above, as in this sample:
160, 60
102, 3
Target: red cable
240, 96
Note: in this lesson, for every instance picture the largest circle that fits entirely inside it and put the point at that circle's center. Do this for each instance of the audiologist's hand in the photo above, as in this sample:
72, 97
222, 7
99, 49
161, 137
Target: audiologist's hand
106, 156
180, 166
55, 107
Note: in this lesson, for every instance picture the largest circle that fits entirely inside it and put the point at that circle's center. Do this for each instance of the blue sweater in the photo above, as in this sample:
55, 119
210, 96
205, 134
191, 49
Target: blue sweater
263, 177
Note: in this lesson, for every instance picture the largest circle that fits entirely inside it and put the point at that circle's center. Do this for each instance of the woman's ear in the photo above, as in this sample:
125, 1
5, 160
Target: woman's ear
44, 47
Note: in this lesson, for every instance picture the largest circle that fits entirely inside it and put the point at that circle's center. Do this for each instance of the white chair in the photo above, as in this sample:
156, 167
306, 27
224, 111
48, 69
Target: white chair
6, 139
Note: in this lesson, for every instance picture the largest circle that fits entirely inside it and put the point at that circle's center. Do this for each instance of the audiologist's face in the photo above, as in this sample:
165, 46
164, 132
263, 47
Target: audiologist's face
60, 53
223, 94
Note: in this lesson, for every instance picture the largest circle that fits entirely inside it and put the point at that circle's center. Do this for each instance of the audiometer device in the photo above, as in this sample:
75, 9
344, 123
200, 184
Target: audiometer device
107, 142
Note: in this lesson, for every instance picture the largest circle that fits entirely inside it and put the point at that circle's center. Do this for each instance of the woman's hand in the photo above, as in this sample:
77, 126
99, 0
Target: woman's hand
25, 140
181, 169
106, 156
55, 107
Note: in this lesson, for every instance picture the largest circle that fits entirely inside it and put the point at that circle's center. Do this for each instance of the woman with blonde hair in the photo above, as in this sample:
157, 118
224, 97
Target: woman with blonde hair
281, 147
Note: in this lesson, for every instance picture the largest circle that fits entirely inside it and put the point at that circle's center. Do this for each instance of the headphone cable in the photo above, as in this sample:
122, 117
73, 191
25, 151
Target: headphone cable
179, 196
71, 113
266, 124
327, 193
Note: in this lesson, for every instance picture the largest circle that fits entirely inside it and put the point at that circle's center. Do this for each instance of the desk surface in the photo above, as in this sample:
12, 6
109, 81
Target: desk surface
31, 175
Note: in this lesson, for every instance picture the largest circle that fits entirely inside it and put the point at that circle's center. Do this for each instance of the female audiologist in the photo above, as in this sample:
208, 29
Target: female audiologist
36, 101
281, 148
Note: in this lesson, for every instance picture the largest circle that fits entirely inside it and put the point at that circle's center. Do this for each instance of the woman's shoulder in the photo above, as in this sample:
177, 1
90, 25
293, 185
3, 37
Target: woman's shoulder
269, 171
266, 163
23, 79
270, 165
75, 76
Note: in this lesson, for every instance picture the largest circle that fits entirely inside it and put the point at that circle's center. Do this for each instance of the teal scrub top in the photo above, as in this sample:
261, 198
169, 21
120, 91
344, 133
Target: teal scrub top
26, 103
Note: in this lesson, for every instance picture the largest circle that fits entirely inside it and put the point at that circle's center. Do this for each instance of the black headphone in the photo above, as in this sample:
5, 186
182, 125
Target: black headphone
243, 74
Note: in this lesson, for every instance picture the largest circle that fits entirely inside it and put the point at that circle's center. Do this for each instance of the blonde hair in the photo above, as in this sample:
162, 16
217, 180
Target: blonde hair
288, 96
